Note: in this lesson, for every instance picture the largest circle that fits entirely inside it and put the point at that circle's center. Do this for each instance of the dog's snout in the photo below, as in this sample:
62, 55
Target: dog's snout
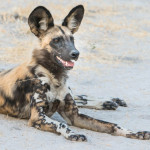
74, 54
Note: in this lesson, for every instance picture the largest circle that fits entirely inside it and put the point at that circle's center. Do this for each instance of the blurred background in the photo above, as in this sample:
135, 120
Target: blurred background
114, 45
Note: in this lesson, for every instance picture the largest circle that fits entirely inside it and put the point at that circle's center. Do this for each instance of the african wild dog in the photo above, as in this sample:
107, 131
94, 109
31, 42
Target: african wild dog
37, 89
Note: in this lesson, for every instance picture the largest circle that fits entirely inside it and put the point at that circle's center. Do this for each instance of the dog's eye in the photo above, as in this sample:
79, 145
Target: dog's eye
56, 40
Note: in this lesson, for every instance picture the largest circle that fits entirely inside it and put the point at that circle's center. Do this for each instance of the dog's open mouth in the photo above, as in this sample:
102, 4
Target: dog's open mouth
68, 64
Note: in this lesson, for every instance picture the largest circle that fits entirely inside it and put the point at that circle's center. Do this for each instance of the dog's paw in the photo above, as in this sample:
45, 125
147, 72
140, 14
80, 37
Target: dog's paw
77, 137
142, 135
109, 105
120, 102
81, 99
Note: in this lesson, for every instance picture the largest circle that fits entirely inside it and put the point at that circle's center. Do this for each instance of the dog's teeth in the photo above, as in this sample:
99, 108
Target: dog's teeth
66, 63
58, 58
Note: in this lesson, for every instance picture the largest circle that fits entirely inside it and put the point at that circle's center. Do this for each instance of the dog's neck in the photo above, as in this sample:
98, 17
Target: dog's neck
42, 57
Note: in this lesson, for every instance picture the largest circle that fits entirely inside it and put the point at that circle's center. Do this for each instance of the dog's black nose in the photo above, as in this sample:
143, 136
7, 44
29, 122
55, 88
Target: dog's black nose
74, 54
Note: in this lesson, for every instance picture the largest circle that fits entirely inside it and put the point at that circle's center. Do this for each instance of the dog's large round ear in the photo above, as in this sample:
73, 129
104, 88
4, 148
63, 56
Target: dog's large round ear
74, 18
40, 20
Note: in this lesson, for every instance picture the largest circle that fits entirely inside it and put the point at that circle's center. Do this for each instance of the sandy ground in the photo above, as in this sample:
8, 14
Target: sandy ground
114, 41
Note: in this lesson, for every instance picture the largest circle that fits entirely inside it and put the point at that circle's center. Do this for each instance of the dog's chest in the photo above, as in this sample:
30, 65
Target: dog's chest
58, 93
55, 92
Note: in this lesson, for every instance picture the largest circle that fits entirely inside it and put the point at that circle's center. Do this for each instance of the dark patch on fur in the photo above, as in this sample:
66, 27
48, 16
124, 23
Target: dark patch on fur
61, 30
46, 107
59, 46
5, 72
14, 105
77, 13
55, 105
68, 131
25, 86
36, 16
46, 59
22, 88
41, 90
40, 75
32, 69
47, 86
118, 127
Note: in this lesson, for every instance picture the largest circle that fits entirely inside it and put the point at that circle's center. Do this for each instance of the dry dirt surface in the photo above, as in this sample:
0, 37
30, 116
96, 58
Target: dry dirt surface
114, 44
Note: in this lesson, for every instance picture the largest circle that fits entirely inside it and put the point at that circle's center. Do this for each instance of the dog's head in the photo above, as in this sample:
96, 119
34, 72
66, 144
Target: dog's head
58, 41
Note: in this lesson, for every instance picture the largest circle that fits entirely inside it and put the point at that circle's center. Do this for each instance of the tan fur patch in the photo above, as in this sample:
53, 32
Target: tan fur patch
34, 116
47, 74
2, 101
53, 33
48, 127
8, 81
28, 97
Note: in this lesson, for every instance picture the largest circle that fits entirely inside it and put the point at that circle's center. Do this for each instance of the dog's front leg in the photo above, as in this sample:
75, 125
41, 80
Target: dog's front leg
39, 119
70, 112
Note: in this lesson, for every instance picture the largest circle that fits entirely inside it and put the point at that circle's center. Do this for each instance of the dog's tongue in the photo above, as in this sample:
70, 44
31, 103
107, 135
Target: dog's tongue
68, 63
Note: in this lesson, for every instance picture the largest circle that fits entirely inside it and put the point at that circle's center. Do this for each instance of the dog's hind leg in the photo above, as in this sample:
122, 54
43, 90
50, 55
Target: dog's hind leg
84, 102
70, 112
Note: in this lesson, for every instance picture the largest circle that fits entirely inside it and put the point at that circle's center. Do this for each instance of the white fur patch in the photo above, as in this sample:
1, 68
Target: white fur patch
36, 97
62, 92
72, 24
64, 130
121, 131
55, 92
59, 129
44, 80
43, 24
38, 100
50, 96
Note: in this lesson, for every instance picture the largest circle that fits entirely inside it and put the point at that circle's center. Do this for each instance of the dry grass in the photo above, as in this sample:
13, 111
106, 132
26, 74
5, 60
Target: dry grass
106, 21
